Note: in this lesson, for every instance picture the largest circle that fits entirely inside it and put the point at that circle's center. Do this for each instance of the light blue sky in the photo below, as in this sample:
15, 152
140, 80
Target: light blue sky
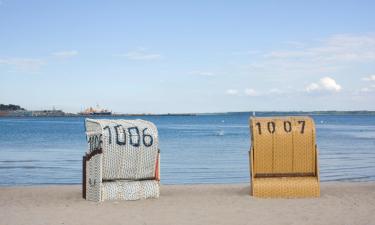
206, 56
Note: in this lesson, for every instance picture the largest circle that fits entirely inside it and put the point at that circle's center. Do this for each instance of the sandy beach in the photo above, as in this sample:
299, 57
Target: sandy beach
340, 203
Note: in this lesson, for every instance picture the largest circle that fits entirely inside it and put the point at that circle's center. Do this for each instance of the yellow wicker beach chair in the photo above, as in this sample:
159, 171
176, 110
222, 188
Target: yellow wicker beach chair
283, 157
122, 161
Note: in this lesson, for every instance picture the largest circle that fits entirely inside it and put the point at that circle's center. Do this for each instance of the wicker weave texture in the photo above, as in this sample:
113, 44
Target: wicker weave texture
130, 190
94, 181
285, 187
283, 146
125, 151
123, 160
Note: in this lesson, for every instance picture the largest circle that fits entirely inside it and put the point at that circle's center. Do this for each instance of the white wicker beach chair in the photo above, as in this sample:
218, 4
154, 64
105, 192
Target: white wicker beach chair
122, 161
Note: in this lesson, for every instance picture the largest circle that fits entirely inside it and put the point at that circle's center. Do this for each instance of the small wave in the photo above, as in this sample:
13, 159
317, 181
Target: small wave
220, 133
354, 178
32, 167
19, 161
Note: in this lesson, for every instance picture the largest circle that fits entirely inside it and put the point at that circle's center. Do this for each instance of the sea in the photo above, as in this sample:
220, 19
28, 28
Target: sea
195, 149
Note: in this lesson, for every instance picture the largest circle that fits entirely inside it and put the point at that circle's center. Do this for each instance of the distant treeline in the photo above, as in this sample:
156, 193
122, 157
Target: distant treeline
312, 113
259, 113
10, 107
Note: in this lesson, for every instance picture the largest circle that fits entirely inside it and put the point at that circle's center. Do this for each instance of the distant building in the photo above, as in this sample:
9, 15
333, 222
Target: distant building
95, 111
53, 112
15, 113
21, 113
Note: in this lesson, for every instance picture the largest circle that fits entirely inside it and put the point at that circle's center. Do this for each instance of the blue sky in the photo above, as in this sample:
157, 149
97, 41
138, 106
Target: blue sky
197, 56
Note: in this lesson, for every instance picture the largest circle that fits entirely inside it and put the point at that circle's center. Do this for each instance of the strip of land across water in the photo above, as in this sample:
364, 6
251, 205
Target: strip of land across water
60, 113
340, 203
17, 111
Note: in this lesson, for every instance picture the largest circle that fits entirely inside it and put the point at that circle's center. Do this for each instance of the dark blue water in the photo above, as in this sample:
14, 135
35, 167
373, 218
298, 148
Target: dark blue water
195, 149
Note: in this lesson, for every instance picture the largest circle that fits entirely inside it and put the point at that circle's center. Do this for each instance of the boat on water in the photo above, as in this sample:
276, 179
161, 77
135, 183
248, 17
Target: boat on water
97, 111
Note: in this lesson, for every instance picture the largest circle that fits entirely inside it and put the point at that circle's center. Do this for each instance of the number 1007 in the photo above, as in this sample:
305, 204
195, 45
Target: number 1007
287, 126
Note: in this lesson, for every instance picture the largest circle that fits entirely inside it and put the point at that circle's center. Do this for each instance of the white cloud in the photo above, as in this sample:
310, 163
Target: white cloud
202, 73
312, 87
366, 89
251, 92
65, 54
337, 48
254, 93
295, 44
232, 92
288, 54
249, 52
371, 87
327, 55
141, 54
347, 40
247, 92
23, 64
275, 91
369, 78
325, 84
329, 84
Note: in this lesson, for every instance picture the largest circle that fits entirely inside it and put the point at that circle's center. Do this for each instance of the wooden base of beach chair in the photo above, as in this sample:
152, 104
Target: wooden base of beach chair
286, 187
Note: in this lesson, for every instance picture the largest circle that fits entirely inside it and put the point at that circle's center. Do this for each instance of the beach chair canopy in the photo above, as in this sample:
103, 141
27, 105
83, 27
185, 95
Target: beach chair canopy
283, 157
122, 155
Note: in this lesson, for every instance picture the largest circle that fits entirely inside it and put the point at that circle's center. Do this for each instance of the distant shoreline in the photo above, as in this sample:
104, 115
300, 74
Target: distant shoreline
257, 113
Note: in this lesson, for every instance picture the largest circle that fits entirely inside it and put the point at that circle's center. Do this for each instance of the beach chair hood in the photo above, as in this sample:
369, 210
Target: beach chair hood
122, 155
283, 157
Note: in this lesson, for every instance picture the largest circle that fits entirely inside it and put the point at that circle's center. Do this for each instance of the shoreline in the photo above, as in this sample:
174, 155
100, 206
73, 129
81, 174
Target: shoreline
26, 114
340, 203
47, 185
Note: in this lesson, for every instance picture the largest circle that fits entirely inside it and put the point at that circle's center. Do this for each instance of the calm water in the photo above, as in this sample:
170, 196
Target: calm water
195, 149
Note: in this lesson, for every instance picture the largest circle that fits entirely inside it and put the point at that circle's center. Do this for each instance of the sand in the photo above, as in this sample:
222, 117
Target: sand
340, 203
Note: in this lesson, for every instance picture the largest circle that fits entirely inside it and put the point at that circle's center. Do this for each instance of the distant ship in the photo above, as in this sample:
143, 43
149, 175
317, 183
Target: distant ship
95, 112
